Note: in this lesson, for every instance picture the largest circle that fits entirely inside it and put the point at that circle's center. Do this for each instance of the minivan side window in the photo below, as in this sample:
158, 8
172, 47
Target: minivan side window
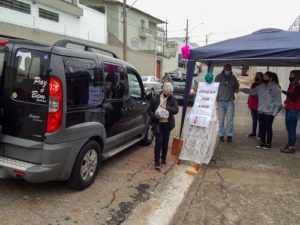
115, 81
30, 78
135, 89
84, 84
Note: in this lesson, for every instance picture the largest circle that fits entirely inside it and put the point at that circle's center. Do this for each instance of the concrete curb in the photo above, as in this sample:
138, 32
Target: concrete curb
165, 201
171, 196
184, 207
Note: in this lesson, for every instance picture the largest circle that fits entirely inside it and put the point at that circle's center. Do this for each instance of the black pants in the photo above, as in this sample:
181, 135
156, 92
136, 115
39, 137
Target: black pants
265, 123
162, 143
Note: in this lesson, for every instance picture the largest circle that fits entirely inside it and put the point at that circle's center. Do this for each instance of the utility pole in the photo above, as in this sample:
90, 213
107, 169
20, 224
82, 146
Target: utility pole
124, 31
166, 32
187, 32
206, 38
163, 44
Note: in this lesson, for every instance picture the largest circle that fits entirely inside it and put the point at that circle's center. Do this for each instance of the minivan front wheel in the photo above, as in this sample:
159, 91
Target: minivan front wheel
86, 166
148, 136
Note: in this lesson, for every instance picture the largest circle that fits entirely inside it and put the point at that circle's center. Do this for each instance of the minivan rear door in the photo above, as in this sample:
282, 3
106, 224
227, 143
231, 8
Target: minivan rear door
26, 95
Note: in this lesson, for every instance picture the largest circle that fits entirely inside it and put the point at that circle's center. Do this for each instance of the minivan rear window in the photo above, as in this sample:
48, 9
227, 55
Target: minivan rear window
30, 81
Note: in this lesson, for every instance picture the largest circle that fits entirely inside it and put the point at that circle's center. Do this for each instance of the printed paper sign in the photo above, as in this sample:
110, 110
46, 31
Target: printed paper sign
204, 104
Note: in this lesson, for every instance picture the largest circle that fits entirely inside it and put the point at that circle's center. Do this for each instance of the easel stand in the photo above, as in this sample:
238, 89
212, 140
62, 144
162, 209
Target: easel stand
191, 170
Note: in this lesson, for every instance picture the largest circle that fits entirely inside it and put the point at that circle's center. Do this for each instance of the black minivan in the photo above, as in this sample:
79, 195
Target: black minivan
63, 111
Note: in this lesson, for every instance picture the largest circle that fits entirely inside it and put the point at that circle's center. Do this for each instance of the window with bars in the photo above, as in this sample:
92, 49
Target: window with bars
48, 15
16, 5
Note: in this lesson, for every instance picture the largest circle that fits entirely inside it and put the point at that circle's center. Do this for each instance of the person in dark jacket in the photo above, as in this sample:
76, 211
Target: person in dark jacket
292, 107
162, 126
253, 105
229, 85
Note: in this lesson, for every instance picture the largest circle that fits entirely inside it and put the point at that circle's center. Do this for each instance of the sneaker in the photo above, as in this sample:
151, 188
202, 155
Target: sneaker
258, 137
267, 147
222, 139
284, 147
163, 162
229, 139
289, 149
260, 145
251, 135
157, 165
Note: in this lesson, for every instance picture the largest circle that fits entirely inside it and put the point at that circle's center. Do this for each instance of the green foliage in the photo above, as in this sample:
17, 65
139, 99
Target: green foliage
100, 8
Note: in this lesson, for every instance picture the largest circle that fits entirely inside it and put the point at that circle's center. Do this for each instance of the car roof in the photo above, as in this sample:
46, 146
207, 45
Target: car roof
64, 51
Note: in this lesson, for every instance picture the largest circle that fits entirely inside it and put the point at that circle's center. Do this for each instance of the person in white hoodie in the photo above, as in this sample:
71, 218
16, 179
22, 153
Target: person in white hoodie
269, 105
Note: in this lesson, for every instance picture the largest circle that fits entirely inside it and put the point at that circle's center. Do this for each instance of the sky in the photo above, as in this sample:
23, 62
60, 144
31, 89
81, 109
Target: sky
220, 19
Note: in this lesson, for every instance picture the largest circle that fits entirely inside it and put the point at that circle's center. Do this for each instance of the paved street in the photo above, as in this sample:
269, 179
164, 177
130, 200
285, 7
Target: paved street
123, 182
241, 185
244, 185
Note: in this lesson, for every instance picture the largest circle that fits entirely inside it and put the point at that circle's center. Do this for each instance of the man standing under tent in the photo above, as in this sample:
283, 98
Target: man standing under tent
228, 87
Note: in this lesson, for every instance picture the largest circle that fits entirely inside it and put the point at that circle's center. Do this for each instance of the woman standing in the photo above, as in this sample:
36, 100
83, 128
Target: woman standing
162, 109
269, 105
292, 107
253, 105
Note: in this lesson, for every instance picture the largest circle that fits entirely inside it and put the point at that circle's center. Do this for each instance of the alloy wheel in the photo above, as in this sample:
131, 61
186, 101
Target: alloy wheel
89, 165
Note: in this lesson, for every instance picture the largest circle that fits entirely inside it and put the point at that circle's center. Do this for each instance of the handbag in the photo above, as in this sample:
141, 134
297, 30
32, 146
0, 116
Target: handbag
176, 146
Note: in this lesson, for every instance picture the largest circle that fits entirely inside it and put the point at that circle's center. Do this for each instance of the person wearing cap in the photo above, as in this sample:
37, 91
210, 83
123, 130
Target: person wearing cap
229, 85
161, 110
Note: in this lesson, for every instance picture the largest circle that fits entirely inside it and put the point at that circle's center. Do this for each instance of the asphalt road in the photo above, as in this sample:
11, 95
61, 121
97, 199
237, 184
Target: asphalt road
122, 183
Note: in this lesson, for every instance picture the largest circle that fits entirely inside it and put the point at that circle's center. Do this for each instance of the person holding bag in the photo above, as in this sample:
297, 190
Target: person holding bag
161, 110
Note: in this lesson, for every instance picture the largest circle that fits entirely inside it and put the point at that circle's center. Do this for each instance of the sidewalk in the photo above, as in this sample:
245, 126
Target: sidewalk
244, 185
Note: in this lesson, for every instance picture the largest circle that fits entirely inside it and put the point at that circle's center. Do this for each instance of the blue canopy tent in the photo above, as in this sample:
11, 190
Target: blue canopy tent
266, 47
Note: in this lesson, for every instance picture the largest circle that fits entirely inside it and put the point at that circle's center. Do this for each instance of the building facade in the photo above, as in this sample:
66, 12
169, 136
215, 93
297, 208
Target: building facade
172, 53
62, 17
143, 34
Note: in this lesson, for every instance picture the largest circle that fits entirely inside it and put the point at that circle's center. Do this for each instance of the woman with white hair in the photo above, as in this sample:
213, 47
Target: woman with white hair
161, 110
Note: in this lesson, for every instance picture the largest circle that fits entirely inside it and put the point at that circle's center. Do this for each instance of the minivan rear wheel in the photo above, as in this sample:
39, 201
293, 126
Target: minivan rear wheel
149, 136
86, 166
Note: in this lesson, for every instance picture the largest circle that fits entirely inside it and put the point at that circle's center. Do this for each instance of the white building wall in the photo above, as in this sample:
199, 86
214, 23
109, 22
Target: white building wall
282, 72
91, 26
170, 64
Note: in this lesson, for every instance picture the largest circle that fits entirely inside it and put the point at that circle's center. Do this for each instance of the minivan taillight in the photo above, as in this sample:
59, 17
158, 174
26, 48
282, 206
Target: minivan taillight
55, 105
3, 41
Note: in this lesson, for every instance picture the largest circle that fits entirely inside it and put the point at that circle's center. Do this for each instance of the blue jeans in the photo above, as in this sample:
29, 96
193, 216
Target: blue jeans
291, 120
254, 115
226, 110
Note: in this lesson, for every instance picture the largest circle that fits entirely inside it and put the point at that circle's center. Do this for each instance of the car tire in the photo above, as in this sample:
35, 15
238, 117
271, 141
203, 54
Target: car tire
86, 166
149, 136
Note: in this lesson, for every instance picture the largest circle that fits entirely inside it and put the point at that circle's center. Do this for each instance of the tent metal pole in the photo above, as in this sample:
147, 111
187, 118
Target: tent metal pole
188, 84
